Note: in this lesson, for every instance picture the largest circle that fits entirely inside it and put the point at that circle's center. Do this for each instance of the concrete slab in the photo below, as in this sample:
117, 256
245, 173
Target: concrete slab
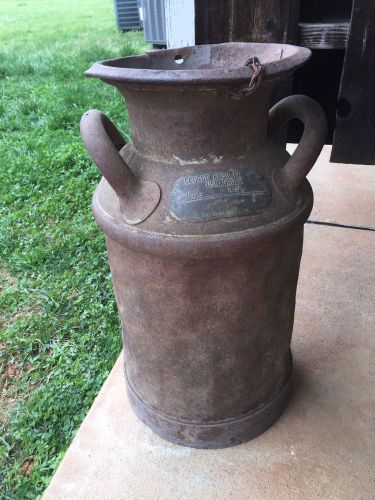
344, 193
322, 447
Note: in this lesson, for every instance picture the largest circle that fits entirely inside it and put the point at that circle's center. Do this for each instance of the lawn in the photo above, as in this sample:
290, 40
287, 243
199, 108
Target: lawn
60, 333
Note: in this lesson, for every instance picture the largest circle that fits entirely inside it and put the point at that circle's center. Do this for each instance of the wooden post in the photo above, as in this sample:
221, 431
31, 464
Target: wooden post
179, 23
354, 139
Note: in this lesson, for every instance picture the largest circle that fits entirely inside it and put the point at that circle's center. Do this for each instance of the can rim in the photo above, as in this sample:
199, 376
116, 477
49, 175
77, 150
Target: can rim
159, 66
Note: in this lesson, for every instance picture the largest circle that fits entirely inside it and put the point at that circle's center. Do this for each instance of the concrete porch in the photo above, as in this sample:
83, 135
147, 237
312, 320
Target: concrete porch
323, 446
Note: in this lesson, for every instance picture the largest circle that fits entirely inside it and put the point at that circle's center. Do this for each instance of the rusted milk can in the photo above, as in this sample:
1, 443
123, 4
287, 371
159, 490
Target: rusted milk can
203, 213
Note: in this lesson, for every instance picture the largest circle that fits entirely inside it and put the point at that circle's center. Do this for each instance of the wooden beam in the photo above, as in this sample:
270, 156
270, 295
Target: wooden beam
354, 139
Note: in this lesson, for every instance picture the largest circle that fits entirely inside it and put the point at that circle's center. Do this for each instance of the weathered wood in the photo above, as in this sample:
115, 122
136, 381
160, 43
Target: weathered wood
247, 21
354, 139
323, 35
323, 11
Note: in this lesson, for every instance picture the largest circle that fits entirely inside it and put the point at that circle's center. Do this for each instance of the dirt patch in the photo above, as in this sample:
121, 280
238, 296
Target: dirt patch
27, 311
11, 372
12, 369
6, 405
27, 465
23, 313
6, 280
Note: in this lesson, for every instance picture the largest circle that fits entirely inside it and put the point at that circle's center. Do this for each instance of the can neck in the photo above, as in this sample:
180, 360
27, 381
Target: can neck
192, 126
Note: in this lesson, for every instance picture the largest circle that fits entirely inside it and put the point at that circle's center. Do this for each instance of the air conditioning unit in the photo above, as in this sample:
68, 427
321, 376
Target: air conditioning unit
127, 15
153, 17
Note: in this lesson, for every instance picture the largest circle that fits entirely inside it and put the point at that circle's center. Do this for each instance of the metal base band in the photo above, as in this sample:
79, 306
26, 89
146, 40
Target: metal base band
219, 434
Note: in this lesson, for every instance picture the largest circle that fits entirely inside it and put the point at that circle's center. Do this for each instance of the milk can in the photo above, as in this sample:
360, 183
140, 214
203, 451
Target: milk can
203, 213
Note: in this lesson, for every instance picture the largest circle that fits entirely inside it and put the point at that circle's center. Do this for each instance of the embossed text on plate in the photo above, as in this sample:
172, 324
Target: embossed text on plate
219, 194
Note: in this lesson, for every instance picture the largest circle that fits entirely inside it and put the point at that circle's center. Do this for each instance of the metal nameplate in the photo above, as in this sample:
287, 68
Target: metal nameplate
219, 194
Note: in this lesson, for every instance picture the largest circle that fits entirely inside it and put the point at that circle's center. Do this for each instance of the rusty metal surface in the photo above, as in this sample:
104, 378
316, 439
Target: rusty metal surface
205, 280
137, 198
222, 433
207, 64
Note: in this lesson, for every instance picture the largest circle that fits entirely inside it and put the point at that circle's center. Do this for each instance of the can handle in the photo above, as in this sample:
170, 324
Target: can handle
289, 178
138, 198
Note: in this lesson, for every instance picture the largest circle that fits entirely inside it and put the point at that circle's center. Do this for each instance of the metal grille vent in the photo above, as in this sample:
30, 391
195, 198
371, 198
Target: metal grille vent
127, 15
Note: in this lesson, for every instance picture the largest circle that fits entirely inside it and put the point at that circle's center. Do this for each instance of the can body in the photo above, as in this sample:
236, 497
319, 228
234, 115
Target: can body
207, 341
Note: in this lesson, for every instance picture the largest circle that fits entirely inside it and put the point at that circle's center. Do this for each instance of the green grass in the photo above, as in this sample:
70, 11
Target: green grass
59, 325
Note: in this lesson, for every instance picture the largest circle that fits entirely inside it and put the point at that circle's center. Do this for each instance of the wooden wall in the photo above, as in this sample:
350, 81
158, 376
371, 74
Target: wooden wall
243, 20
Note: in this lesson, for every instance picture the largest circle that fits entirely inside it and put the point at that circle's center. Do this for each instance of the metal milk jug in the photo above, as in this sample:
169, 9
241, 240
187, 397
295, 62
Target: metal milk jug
203, 214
